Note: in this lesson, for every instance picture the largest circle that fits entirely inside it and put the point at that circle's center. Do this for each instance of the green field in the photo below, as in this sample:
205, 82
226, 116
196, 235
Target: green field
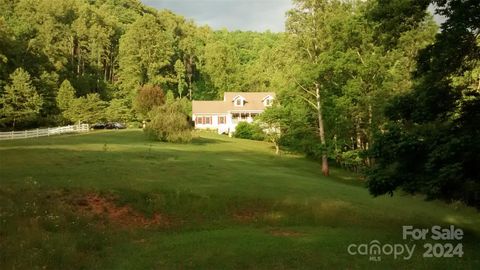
113, 200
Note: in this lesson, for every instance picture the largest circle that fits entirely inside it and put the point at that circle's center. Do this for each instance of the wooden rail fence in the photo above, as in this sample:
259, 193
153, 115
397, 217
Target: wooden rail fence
43, 132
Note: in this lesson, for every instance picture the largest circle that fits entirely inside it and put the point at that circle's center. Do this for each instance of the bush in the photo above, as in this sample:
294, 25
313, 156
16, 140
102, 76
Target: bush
169, 123
251, 131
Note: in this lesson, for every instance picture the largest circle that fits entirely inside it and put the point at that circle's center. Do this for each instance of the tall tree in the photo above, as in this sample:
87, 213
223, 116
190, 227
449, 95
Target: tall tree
180, 74
146, 50
311, 23
222, 64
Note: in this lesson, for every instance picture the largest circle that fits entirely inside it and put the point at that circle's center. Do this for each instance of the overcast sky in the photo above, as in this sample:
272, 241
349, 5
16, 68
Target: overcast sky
253, 15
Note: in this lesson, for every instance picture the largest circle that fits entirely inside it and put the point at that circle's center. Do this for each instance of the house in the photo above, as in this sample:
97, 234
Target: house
224, 115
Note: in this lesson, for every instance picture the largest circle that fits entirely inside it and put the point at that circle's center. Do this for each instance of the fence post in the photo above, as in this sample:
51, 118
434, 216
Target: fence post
37, 133
11, 135
48, 131
25, 134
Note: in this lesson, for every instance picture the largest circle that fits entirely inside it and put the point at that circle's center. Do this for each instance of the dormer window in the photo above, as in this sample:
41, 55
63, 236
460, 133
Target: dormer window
239, 101
268, 101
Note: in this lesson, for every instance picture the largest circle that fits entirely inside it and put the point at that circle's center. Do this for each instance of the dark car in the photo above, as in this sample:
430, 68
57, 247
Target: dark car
115, 125
111, 125
99, 126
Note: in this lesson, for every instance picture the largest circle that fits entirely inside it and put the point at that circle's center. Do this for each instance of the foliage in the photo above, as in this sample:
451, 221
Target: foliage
148, 97
118, 111
251, 131
180, 72
396, 17
146, 49
65, 96
427, 145
100, 47
88, 109
20, 101
273, 120
169, 123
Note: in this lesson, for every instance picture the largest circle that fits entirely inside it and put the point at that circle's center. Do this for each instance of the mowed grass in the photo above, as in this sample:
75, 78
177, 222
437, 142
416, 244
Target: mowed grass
114, 200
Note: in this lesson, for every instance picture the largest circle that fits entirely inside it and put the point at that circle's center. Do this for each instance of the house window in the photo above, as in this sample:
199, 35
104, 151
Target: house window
222, 120
239, 102
268, 102
204, 120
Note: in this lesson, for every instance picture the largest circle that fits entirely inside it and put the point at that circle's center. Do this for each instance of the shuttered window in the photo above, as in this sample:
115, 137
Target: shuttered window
222, 120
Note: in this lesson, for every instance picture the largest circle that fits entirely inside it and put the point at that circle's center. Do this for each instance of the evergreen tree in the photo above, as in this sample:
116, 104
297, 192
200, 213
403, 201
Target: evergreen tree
65, 96
20, 101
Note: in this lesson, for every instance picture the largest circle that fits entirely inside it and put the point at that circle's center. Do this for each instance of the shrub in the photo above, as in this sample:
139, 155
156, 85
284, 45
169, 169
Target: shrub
169, 123
251, 131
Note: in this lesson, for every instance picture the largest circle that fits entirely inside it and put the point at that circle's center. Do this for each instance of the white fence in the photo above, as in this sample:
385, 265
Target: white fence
34, 133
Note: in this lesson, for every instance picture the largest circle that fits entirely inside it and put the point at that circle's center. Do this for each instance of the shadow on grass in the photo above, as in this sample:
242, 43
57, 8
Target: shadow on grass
205, 141
125, 137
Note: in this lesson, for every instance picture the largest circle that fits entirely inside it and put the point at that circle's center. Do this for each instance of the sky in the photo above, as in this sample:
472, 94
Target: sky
246, 15
253, 15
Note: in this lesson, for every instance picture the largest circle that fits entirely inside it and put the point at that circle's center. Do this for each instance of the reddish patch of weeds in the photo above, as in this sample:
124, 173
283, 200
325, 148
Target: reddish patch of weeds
95, 205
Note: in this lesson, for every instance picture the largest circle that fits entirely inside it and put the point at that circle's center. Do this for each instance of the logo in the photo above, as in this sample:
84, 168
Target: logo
448, 248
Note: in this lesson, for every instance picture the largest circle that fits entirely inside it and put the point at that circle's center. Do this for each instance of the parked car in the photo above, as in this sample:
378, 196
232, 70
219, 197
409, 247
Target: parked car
99, 126
115, 125
110, 125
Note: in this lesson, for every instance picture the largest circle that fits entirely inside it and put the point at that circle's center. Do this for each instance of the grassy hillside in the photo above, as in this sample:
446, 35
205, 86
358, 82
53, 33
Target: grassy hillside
113, 200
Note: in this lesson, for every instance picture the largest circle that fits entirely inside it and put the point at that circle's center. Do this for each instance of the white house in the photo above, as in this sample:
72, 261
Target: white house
224, 115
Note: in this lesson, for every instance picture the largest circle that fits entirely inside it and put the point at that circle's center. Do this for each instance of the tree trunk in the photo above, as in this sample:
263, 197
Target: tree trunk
358, 132
190, 74
321, 132
277, 147
370, 135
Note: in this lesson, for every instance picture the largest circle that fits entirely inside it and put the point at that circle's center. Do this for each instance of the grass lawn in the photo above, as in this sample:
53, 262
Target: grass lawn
113, 200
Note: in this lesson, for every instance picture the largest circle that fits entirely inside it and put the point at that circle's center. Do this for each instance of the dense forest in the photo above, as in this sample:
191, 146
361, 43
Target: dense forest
374, 86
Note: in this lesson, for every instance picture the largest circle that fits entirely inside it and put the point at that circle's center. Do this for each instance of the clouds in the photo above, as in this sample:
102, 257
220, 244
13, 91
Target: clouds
254, 15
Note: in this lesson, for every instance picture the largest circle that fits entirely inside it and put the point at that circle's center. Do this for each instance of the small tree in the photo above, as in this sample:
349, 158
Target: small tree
20, 100
65, 97
169, 123
147, 98
272, 120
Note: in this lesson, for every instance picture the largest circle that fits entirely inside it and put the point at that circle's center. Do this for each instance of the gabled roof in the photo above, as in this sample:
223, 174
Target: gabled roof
237, 97
248, 95
267, 96
253, 102
209, 106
